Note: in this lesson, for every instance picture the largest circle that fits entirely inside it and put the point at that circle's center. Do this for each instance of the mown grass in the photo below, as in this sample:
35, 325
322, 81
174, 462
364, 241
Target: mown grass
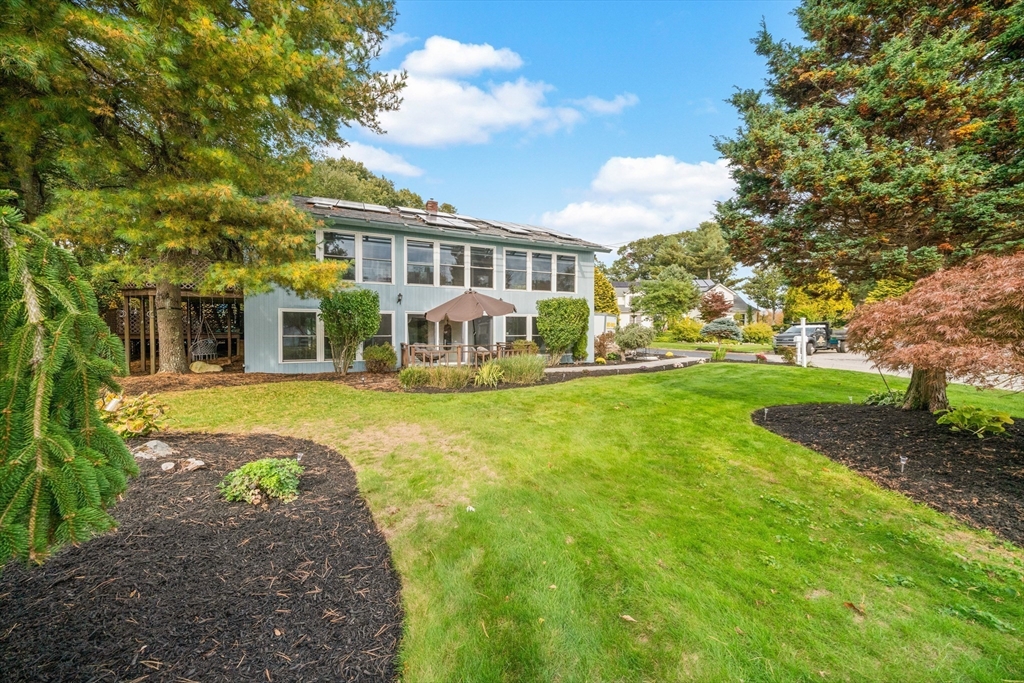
652, 496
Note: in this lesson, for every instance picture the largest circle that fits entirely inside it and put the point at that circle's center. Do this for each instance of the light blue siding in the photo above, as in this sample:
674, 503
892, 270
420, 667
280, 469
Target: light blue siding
262, 333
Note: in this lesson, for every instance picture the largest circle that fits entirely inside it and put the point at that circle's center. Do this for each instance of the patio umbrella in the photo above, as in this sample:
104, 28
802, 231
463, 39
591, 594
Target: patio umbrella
469, 306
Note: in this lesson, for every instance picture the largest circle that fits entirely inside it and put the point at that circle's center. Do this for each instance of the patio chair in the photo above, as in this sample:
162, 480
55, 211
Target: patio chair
204, 349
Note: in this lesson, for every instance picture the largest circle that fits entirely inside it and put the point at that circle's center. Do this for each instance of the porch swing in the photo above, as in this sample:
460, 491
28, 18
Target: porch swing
204, 346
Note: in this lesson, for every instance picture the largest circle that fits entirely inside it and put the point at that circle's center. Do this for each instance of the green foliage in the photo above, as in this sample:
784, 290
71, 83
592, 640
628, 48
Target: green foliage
521, 369
722, 329
605, 300
347, 179
380, 358
978, 421
350, 318
61, 467
703, 252
979, 616
718, 355
489, 375
823, 299
413, 376
886, 398
766, 288
685, 330
262, 479
451, 376
758, 333
670, 295
132, 416
634, 336
447, 208
526, 346
562, 322
613, 356
887, 143
788, 354
895, 580
888, 289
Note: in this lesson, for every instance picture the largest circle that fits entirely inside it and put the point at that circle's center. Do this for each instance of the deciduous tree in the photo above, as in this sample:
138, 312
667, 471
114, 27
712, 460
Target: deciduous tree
713, 305
350, 317
767, 287
670, 295
347, 179
966, 322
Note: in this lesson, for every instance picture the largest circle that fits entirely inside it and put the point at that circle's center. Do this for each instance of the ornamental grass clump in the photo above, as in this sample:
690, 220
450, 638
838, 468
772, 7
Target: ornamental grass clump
451, 376
413, 377
521, 369
490, 375
262, 479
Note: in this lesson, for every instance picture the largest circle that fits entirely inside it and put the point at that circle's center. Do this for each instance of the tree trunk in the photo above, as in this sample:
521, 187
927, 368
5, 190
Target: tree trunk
927, 391
170, 329
31, 194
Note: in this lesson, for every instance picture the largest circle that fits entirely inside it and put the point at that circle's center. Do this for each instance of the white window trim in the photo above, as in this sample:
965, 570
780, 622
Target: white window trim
358, 260
319, 335
529, 323
467, 265
554, 271
359, 351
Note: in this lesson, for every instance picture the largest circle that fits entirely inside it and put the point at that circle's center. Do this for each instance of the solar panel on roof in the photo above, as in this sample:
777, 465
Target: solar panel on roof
345, 204
378, 208
323, 201
443, 222
406, 209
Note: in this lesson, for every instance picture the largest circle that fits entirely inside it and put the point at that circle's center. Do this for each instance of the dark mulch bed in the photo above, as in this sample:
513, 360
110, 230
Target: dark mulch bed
191, 587
136, 384
979, 481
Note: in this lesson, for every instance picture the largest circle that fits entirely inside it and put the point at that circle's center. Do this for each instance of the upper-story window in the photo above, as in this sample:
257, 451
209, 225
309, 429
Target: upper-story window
341, 247
482, 267
376, 259
566, 278
540, 280
515, 269
419, 269
453, 265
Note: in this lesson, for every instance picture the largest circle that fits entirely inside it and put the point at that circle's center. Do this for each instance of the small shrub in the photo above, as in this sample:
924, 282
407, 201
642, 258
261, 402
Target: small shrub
885, 398
978, 421
380, 358
761, 358
788, 354
603, 344
669, 354
722, 329
758, 333
600, 361
489, 375
521, 369
613, 356
718, 355
634, 336
525, 346
685, 330
414, 376
133, 416
266, 478
451, 376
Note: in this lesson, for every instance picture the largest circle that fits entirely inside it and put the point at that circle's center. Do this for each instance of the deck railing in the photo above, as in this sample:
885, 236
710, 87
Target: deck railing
431, 355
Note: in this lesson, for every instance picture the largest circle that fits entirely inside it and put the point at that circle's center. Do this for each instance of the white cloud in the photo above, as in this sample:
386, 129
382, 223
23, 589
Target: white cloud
595, 105
376, 159
395, 41
634, 197
442, 56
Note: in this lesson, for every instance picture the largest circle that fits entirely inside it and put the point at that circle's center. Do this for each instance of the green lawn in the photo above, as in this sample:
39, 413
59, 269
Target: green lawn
652, 496
711, 346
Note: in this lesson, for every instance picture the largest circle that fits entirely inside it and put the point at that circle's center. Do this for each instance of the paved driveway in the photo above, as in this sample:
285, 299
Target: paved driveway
822, 359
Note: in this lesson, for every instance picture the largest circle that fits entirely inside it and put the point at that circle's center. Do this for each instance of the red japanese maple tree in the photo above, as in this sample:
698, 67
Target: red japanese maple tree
965, 322
714, 305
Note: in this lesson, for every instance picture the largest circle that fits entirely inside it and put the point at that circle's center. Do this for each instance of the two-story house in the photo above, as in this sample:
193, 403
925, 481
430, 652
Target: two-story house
416, 260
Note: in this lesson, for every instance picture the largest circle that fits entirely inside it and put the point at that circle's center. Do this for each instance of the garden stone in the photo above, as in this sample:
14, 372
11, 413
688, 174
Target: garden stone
199, 367
192, 464
151, 450
167, 466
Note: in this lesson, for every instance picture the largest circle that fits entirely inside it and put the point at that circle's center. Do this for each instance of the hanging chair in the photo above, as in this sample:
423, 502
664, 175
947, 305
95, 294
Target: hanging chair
204, 346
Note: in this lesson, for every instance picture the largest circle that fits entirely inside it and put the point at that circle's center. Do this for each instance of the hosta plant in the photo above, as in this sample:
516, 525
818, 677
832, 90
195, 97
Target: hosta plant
978, 421
132, 416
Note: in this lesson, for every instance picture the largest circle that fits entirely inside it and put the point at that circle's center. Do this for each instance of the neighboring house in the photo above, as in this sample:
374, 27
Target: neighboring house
624, 295
417, 260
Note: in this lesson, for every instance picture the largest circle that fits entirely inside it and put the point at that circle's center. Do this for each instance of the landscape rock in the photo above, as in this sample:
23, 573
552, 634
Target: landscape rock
192, 464
151, 450
167, 466
199, 367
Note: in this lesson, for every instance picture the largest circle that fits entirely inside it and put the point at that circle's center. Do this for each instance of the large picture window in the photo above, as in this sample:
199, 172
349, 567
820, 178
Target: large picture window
341, 247
385, 333
298, 335
419, 268
541, 277
515, 269
376, 259
566, 278
453, 265
523, 327
482, 267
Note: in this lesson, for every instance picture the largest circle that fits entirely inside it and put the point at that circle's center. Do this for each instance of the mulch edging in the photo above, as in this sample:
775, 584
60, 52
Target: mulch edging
191, 587
978, 481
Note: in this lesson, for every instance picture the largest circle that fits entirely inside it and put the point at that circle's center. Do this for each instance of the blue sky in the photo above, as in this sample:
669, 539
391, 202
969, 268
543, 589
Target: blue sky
596, 118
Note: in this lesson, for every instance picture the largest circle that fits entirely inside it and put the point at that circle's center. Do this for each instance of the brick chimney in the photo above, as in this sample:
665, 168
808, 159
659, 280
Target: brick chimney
431, 206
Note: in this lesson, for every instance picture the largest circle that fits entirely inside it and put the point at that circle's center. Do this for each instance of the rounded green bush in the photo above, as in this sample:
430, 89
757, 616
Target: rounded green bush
380, 358
758, 333
268, 477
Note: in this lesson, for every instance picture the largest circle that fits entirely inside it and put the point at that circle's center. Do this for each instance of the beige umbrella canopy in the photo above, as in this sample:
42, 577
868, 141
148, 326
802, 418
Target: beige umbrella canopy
469, 306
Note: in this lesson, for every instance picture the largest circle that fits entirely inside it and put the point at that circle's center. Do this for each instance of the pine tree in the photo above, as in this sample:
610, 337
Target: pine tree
604, 294
60, 465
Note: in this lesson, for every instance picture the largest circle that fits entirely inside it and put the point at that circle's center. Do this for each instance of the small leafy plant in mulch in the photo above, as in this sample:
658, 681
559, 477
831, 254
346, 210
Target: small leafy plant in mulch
262, 479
